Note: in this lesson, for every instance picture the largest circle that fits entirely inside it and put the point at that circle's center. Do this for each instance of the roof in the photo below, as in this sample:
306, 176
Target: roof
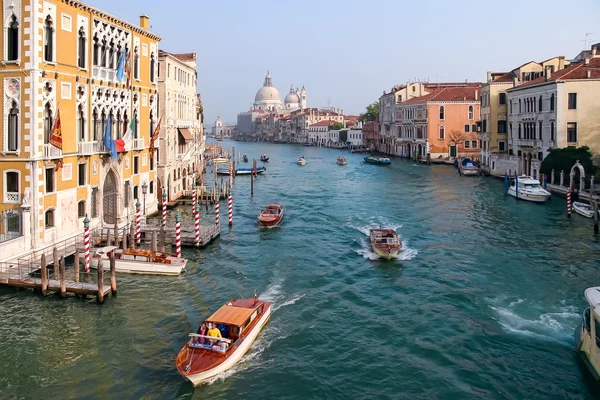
507, 77
351, 118
231, 314
592, 295
324, 123
466, 93
184, 57
187, 135
577, 71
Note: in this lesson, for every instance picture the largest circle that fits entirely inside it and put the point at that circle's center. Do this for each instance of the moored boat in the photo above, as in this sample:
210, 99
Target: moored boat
341, 160
223, 171
220, 160
271, 215
526, 188
264, 158
137, 261
467, 167
248, 171
235, 327
245, 158
588, 344
378, 160
583, 209
385, 242
301, 161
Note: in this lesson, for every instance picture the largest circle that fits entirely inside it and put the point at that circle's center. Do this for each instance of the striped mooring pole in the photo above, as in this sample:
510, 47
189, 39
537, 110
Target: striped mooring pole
178, 234
217, 212
230, 200
86, 242
138, 222
197, 225
164, 209
194, 196
569, 203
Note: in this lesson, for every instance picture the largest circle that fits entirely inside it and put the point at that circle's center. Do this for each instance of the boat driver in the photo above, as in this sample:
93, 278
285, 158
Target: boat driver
213, 331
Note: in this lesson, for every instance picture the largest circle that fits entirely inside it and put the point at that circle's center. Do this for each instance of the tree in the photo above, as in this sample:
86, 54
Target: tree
564, 159
457, 137
336, 126
372, 113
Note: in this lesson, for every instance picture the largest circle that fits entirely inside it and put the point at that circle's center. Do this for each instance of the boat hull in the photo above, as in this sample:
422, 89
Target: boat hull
234, 357
533, 197
469, 172
248, 171
387, 254
138, 267
582, 342
583, 209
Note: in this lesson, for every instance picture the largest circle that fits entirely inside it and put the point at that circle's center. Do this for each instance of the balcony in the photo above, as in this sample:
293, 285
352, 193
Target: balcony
138, 144
105, 74
529, 116
536, 144
50, 152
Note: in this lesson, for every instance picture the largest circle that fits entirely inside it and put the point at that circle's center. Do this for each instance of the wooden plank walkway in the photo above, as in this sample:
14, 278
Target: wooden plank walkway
81, 288
207, 235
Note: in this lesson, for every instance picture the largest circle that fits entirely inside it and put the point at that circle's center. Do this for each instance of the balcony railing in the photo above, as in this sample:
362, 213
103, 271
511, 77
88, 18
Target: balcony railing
51, 152
105, 74
90, 148
529, 143
138, 144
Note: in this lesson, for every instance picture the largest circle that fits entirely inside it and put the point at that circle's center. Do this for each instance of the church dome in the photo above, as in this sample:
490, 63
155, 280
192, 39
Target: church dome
292, 98
267, 93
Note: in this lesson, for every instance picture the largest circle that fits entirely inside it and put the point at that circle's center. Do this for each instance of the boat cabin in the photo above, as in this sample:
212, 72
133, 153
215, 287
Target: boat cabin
233, 320
272, 209
385, 237
591, 328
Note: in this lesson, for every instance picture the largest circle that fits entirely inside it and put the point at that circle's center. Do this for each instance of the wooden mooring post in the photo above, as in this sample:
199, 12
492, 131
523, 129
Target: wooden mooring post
154, 246
116, 234
132, 236
252, 173
44, 274
76, 266
63, 284
113, 277
124, 239
55, 265
100, 282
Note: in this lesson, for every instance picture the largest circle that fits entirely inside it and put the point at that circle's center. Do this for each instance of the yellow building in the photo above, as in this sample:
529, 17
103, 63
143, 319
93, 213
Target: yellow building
63, 55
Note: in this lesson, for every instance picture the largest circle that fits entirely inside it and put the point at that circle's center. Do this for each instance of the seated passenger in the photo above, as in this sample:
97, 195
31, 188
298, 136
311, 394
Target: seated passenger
214, 332
202, 331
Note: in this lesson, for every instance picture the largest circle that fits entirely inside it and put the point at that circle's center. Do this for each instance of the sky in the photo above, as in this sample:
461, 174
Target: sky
347, 52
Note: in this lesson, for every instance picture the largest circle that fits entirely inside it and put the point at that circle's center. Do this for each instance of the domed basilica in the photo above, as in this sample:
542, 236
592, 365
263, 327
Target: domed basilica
268, 98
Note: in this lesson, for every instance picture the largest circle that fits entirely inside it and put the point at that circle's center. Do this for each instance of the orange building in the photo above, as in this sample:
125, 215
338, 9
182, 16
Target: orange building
442, 123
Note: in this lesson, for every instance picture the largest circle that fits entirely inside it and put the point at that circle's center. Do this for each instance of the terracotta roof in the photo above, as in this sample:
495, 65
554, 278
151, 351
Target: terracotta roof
324, 123
466, 93
508, 77
571, 72
185, 57
351, 118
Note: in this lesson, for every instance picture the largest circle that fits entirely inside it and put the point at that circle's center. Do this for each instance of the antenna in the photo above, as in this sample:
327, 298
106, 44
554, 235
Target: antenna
586, 40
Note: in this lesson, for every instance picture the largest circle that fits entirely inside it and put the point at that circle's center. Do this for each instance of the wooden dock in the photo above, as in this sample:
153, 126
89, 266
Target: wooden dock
207, 235
80, 288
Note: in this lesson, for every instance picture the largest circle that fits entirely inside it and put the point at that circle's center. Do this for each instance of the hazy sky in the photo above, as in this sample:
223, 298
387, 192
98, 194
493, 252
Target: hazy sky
346, 52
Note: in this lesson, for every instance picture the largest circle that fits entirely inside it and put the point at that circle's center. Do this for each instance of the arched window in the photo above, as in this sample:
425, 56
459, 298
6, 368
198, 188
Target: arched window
113, 134
48, 39
12, 39
48, 121
519, 105
119, 129
13, 128
12, 190
49, 219
103, 122
125, 121
136, 64
96, 51
519, 131
540, 103
81, 209
103, 49
471, 112
151, 123
151, 187
111, 55
81, 44
80, 123
152, 62
552, 102
441, 112
135, 125
135, 192
511, 107
552, 131
442, 135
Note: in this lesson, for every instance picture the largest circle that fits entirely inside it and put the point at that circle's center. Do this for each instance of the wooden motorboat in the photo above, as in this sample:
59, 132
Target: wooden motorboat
137, 261
467, 167
586, 342
301, 161
223, 171
378, 160
385, 242
526, 188
341, 160
248, 171
271, 215
583, 209
264, 158
220, 160
239, 323
245, 158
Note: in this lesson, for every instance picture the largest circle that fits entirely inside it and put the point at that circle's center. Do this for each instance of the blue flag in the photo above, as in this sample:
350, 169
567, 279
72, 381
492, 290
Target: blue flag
121, 67
109, 143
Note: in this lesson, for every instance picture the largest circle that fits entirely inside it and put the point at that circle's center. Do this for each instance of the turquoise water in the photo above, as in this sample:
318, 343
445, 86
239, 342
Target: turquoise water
481, 304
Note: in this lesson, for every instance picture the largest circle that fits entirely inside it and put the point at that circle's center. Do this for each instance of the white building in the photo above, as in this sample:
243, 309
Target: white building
181, 143
268, 98
355, 137
222, 131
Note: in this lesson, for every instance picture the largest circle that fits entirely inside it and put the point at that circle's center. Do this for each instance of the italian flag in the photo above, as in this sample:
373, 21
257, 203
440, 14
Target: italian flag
124, 144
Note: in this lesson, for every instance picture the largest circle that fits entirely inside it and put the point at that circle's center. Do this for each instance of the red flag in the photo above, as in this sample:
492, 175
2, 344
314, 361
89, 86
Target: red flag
154, 137
56, 138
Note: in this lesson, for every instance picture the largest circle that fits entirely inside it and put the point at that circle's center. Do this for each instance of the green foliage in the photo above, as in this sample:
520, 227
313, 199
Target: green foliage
372, 113
337, 126
564, 159
343, 135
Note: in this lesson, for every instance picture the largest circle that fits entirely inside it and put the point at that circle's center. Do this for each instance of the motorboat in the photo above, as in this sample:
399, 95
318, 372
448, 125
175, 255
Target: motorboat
385, 242
587, 343
223, 171
309, 145
238, 322
264, 158
137, 261
467, 167
245, 158
248, 171
220, 160
526, 188
583, 209
301, 161
378, 160
270, 216
341, 160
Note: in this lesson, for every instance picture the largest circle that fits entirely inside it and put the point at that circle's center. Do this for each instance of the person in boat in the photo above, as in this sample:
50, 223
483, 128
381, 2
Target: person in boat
214, 332
202, 331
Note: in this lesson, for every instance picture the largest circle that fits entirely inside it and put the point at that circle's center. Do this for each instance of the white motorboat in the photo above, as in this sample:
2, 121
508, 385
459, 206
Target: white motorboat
137, 261
587, 343
526, 188
467, 168
301, 161
583, 209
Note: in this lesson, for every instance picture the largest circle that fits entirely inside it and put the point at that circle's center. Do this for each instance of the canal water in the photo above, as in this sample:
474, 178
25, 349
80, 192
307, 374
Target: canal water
481, 304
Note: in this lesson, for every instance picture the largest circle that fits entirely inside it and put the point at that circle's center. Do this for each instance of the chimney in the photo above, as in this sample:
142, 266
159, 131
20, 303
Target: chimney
588, 74
593, 51
515, 81
476, 93
489, 76
587, 61
144, 21
561, 62
548, 73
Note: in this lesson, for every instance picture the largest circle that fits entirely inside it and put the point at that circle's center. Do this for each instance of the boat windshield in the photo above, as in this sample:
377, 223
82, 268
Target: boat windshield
532, 186
387, 239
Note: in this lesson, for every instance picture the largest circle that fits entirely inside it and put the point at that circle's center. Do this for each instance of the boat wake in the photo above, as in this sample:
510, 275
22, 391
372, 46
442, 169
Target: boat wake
521, 318
365, 250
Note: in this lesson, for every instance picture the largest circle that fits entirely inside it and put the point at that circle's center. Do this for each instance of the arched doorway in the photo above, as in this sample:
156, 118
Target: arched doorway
420, 150
109, 198
185, 179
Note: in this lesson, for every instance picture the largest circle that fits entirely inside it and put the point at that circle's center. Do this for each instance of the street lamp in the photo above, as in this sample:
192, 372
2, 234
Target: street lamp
144, 190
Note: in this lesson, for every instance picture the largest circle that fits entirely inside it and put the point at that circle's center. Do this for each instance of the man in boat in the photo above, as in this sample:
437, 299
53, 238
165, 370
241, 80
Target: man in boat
213, 331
